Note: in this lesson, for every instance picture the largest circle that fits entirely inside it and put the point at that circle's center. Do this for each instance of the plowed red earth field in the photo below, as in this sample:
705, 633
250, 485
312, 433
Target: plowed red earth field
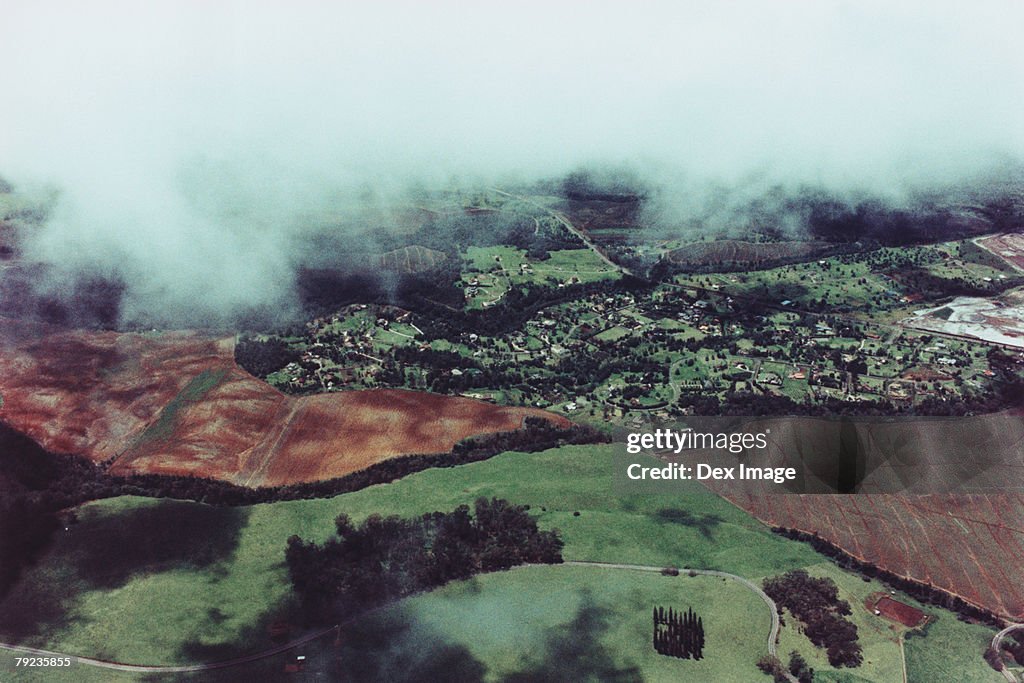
176, 403
969, 545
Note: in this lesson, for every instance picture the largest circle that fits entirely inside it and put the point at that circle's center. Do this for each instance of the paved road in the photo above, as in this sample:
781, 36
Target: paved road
997, 641
145, 668
564, 220
153, 669
773, 633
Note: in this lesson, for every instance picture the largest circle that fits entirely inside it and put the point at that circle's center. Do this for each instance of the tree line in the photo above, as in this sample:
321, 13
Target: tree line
920, 591
387, 558
36, 484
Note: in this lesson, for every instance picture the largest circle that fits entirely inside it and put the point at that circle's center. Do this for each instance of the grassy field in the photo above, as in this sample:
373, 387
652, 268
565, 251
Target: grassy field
158, 582
497, 269
562, 623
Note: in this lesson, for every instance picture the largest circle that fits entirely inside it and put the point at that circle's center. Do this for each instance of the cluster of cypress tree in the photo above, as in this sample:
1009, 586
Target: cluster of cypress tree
678, 634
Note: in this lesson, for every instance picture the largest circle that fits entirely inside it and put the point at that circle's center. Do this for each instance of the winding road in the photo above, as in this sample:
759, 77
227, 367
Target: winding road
564, 220
773, 632
187, 668
997, 641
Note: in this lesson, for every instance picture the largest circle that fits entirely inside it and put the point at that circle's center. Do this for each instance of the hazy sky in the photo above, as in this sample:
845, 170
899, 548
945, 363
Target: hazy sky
186, 136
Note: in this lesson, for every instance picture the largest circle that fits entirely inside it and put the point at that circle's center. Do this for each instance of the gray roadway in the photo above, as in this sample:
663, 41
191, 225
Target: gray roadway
997, 641
773, 632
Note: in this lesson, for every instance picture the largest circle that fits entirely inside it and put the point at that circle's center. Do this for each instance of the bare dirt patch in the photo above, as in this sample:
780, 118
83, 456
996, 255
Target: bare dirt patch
900, 612
1009, 247
999, 320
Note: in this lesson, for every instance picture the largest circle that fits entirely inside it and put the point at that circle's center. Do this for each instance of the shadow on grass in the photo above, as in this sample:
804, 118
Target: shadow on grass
104, 552
399, 648
396, 647
705, 524
170, 534
573, 651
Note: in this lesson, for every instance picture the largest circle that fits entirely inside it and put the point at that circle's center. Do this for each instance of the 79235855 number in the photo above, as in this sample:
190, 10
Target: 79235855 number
42, 661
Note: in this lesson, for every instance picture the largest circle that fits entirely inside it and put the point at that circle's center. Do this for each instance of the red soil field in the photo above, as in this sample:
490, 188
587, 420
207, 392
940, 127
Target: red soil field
1009, 247
895, 610
176, 403
91, 393
907, 520
968, 545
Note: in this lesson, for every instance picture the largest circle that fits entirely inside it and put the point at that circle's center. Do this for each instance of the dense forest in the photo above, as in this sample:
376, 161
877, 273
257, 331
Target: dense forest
816, 603
387, 558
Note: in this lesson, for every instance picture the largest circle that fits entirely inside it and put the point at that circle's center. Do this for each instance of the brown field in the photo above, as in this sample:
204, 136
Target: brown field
1009, 247
738, 252
176, 403
254, 437
90, 393
598, 214
412, 259
968, 545
941, 501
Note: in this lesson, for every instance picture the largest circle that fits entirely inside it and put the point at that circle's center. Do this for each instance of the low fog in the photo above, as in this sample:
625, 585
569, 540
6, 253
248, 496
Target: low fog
191, 150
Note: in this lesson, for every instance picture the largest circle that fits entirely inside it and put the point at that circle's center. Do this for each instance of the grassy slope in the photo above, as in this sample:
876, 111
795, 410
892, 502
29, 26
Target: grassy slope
149, 581
571, 622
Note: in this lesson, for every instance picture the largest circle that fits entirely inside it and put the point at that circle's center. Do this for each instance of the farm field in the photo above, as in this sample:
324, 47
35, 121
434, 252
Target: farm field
964, 544
126, 569
176, 403
91, 393
1009, 248
312, 438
